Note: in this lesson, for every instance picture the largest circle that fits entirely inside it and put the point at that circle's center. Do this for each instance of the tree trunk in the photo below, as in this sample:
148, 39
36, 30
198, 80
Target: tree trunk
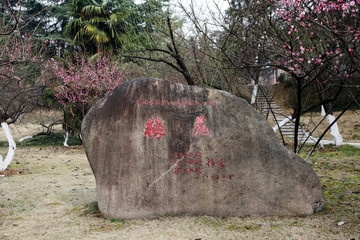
12, 146
298, 111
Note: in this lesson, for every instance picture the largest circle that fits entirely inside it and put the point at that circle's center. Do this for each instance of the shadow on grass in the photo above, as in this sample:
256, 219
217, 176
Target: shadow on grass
91, 209
54, 139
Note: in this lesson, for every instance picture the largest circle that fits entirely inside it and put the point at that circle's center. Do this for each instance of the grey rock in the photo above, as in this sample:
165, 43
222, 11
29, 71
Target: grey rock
160, 148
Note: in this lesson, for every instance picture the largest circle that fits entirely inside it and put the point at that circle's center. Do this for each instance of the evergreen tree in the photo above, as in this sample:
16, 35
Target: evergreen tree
109, 25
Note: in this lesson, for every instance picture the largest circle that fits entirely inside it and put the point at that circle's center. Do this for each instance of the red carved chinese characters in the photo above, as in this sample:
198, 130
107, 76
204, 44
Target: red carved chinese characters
230, 176
220, 163
156, 130
148, 129
179, 103
210, 162
200, 127
193, 164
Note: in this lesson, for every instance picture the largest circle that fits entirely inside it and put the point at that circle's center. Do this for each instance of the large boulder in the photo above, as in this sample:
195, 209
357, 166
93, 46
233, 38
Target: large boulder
158, 148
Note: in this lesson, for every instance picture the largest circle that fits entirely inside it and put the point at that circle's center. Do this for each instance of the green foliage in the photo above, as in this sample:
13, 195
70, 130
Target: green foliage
54, 139
119, 221
109, 25
343, 151
46, 18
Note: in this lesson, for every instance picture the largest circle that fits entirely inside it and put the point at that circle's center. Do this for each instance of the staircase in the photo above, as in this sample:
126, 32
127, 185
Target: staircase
271, 111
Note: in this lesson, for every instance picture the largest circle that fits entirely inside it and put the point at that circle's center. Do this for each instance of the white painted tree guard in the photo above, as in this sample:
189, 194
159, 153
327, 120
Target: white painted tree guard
334, 130
24, 138
282, 123
66, 139
254, 93
12, 147
323, 113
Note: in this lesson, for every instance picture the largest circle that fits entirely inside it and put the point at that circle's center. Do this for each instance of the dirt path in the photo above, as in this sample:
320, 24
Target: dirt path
57, 200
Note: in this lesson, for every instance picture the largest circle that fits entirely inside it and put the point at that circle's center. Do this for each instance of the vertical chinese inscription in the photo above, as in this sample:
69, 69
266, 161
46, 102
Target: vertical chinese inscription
200, 127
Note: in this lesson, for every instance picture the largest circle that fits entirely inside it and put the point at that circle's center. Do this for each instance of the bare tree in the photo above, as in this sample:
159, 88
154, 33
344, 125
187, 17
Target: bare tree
20, 61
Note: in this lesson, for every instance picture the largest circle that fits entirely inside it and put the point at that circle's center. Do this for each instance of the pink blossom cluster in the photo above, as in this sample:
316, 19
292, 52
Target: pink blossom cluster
82, 81
17, 50
318, 33
21, 49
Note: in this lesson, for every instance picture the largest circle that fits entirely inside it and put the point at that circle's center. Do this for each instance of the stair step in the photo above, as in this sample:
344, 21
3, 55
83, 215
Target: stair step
274, 109
267, 107
292, 133
265, 101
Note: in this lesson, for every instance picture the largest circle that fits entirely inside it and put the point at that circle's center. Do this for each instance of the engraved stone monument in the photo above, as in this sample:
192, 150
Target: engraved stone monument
158, 148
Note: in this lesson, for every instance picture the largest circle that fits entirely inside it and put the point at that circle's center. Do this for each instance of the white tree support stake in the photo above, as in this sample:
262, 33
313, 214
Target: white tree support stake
338, 141
323, 113
66, 139
24, 138
12, 147
334, 130
282, 123
254, 93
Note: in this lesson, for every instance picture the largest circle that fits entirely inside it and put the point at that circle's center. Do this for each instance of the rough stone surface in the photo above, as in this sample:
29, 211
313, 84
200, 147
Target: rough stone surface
145, 140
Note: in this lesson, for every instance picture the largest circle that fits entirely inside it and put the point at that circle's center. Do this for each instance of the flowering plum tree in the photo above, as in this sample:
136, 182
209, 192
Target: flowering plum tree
315, 42
20, 89
78, 82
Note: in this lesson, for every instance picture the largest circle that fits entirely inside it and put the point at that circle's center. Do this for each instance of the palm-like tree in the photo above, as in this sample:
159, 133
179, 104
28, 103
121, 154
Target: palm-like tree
104, 25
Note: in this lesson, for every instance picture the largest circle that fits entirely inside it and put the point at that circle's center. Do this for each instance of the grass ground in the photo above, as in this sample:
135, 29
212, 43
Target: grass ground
56, 199
51, 194
349, 125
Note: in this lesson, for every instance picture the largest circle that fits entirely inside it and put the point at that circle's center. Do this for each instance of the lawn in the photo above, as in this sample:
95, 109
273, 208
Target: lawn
54, 197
